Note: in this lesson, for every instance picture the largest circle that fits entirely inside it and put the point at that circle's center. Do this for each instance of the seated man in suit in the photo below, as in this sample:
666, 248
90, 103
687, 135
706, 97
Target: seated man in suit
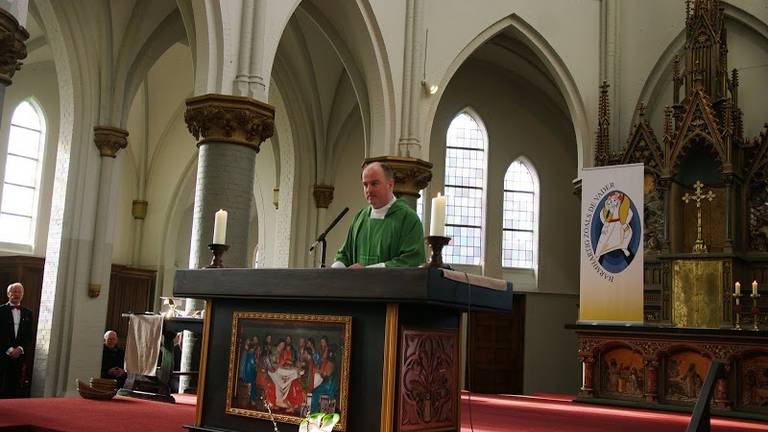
113, 359
16, 339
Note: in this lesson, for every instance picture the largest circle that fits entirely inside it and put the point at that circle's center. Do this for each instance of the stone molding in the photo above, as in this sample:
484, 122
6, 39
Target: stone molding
110, 140
12, 47
139, 209
216, 118
411, 174
323, 195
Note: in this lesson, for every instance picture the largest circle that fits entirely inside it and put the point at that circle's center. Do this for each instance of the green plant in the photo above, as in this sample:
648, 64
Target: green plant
319, 422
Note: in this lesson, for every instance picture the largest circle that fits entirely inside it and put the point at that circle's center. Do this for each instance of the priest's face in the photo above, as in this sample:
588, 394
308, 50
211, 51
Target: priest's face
377, 187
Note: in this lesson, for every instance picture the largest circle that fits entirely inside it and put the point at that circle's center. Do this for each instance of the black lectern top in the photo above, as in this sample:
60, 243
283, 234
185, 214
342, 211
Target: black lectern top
372, 285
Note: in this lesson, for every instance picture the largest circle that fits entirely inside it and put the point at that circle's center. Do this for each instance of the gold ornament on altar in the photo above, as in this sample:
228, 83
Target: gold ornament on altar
699, 246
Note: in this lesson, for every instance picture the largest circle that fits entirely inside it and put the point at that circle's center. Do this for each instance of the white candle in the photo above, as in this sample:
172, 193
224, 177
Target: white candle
437, 220
754, 287
738, 288
220, 227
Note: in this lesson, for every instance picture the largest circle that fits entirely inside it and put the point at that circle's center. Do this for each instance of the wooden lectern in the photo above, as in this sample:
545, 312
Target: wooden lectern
402, 353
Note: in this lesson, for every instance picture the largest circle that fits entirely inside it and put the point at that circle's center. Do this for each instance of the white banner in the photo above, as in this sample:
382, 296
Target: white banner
612, 244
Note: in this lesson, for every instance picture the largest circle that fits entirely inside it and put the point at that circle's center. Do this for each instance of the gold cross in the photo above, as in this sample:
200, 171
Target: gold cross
698, 196
699, 246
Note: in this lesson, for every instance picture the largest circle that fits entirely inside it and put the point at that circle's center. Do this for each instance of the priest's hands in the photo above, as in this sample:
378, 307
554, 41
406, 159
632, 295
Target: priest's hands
356, 266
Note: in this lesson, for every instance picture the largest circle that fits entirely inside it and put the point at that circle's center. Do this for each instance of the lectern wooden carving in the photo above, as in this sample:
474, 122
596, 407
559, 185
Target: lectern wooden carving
402, 353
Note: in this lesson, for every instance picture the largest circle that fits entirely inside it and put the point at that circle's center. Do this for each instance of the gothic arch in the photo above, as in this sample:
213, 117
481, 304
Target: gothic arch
137, 56
365, 61
555, 66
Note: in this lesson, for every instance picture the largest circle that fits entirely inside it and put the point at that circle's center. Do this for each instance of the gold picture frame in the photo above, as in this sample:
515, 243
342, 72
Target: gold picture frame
295, 363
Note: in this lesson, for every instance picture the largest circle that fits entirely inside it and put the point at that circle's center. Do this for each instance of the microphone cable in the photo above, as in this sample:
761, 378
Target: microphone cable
469, 354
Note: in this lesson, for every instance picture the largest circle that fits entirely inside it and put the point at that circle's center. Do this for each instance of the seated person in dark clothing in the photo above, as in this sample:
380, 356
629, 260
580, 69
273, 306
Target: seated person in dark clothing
113, 359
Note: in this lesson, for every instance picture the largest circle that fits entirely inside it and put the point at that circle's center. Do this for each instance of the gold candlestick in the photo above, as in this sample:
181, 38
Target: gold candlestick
755, 312
699, 246
737, 310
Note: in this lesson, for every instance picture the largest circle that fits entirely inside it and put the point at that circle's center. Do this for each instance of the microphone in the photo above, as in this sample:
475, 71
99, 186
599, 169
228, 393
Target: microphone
321, 237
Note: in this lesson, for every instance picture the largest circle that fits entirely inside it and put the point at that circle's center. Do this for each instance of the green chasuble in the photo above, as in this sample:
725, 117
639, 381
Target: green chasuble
397, 240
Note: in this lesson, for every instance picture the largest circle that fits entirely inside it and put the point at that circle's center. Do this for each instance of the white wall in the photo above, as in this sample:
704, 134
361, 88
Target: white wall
522, 120
551, 363
160, 149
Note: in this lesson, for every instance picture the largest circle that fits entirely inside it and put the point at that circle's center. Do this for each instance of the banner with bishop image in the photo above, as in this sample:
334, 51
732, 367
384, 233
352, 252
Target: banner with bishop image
611, 279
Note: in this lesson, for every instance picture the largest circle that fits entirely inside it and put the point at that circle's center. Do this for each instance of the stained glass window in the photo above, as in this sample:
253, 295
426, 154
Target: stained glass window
18, 209
520, 221
465, 167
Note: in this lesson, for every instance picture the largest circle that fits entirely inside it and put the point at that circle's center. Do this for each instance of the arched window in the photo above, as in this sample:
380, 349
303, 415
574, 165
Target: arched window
520, 219
464, 186
23, 168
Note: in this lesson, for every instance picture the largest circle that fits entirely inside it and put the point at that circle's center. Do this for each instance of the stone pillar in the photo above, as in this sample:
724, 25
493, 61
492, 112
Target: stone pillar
13, 49
139, 213
229, 130
109, 140
323, 195
409, 143
411, 175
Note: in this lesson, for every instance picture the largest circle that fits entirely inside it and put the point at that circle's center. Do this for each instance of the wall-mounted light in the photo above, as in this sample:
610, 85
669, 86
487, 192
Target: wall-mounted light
430, 89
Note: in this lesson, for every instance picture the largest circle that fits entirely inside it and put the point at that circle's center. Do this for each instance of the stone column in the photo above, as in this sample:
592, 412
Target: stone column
139, 213
411, 175
323, 195
109, 140
229, 130
409, 143
13, 49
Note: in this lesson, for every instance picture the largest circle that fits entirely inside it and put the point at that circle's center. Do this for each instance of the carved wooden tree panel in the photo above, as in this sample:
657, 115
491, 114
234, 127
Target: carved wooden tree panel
428, 387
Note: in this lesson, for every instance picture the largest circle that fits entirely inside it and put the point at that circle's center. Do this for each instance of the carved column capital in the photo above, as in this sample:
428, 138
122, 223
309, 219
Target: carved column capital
229, 119
139, 209
12, 47
323, 195
110, 140
411, 174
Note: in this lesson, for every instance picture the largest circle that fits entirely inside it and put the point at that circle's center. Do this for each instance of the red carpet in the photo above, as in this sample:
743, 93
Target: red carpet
75, 414
557, 413
489, 413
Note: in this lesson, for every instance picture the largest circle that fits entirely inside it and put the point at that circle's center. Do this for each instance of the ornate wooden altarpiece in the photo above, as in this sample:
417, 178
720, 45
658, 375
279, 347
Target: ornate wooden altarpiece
689, 308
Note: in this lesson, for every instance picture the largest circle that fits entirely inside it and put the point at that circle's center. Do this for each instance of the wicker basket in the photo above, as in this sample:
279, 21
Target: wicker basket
89, 392
104, 384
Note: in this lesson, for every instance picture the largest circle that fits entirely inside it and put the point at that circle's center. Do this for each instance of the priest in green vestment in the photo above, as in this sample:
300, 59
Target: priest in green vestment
388, 233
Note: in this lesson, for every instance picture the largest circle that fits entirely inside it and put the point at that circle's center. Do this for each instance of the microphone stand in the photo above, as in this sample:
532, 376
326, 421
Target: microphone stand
321, 238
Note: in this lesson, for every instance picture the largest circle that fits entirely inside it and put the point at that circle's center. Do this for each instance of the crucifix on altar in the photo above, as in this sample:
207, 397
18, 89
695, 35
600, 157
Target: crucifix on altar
699, 246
